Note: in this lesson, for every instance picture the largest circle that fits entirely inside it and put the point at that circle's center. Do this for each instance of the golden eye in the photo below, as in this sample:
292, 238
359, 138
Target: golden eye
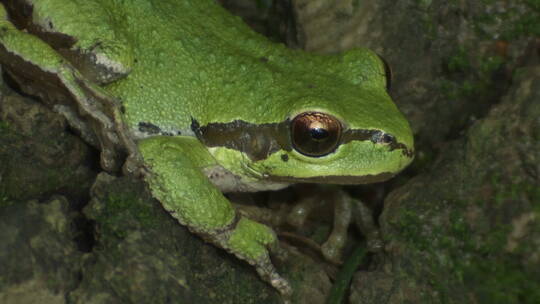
315, 134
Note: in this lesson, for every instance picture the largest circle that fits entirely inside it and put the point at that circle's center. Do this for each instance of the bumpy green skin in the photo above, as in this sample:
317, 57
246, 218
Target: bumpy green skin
112, 44
180, 184
189, 59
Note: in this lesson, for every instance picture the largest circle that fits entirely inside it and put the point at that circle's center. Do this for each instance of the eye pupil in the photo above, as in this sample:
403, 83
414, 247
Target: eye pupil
319, 134
315, 134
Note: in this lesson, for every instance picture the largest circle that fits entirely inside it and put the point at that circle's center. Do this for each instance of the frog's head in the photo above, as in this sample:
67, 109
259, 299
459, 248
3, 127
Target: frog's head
349, 132
322, 146
337, 132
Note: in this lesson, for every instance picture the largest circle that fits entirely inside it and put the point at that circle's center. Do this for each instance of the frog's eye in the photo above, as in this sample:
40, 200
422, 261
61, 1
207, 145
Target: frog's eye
315, 134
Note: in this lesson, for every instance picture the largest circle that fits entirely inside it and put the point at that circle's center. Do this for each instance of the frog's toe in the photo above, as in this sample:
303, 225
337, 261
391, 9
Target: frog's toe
251, 241
268, 273
297, 217
333, 247
375, 242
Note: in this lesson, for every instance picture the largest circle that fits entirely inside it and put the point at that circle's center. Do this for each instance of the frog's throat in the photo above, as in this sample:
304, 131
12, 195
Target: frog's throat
259, 141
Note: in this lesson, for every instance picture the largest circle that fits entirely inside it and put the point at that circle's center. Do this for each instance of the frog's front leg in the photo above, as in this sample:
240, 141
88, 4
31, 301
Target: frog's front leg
175, 176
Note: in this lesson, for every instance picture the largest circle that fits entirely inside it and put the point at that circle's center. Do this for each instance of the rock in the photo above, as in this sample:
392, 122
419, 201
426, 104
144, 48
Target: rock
38, 156
39, 257
143, 255
468, 231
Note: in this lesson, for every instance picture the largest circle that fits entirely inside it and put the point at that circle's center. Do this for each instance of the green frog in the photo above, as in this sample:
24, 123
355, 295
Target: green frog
201, 105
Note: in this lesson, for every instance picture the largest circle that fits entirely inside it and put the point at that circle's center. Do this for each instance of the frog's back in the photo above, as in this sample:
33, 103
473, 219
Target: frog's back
190, 57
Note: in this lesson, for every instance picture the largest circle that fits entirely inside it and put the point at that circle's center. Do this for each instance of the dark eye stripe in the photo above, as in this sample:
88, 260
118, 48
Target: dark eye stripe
259, 141
377, 137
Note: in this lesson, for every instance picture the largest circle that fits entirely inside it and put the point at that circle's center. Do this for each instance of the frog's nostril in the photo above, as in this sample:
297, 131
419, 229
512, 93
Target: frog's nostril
387, 138
382, 138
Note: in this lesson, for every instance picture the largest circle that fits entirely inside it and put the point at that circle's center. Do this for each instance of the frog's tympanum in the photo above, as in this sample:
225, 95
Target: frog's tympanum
202, 105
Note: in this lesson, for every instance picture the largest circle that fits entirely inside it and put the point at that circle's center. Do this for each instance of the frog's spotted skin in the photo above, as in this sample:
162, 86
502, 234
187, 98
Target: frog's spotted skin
207, 105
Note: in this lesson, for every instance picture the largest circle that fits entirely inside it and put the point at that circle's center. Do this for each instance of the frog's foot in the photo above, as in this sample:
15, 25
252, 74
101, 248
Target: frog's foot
105, 112
345, 209
363, 218
332, 249
300, 212
135, 165
298, 215
268, 273
320, 198
251, 242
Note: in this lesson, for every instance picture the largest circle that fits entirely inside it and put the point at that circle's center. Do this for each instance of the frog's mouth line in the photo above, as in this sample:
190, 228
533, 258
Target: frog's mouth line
336, 179
259, 141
